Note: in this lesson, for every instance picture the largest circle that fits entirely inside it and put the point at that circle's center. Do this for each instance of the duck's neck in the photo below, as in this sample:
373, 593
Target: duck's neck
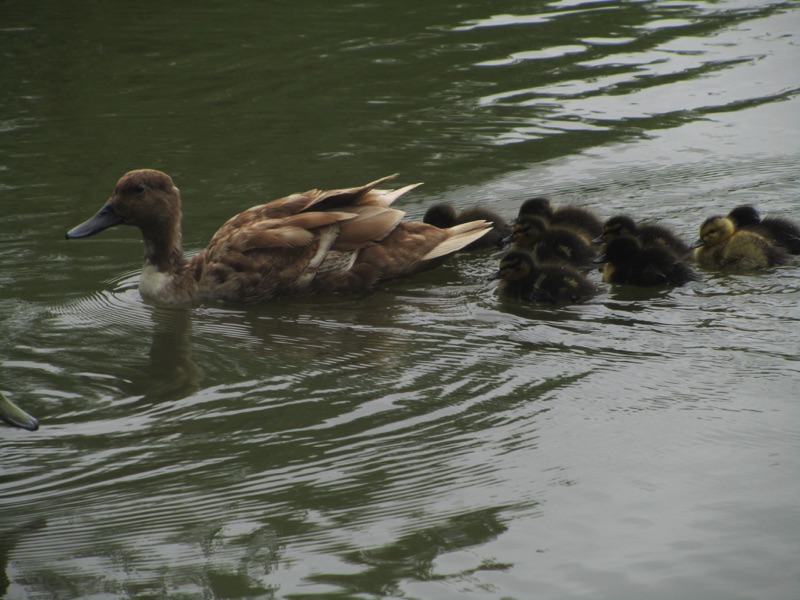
164, 264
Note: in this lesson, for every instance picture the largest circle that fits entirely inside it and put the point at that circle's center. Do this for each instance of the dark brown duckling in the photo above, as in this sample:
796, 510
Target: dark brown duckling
444, 215
628, 262
522, 279
778, 230
648, 234
551, 244
582, 221
722, 246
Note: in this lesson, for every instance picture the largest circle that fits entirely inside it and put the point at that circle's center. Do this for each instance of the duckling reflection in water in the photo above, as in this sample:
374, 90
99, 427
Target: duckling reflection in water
722, 246
628, 262
13, 415
522, 279
648, 234
444, 215
580, 220
551, 244
778, 230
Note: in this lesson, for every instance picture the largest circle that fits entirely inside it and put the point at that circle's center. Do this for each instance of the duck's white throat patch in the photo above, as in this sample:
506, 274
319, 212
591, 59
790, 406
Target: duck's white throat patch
152, 281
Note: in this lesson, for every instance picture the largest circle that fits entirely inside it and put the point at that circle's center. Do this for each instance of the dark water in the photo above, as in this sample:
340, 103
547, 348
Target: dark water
427, 440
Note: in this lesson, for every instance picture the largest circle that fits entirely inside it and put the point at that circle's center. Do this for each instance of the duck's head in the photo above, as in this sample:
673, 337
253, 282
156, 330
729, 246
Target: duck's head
441, 215
714, 231
514, 266
620, 251
145, 198
536, 207
744, 215
615, 227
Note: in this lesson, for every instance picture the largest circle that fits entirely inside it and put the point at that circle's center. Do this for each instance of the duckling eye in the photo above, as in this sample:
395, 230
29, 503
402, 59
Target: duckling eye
139, 188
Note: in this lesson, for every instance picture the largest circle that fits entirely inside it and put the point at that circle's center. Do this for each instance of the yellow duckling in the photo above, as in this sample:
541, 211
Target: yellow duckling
722, 246
13, 415
313, 242
444, 215
522, 279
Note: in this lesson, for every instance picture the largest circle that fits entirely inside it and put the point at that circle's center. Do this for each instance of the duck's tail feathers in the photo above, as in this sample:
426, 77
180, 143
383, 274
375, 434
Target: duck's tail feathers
459, 236
390, 196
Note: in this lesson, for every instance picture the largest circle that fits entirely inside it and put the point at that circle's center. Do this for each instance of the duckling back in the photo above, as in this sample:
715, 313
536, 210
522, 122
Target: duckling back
648, 234
628, 262
551, 244
444, 215
780, 231
580, 220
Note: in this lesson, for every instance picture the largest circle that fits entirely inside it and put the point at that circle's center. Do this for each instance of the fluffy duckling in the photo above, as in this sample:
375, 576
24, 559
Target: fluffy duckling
628, 262
444, 215
778, 230
722, 246
551, 244
647, 234
580, 220
13, 415
522, 279
313, 242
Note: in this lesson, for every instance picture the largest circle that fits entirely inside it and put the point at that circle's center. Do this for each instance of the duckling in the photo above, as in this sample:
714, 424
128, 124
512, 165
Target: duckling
522, 279
722, 246
13, 415
647, 234
580, 220
308, 243
778, 230
628, 262
551, 244
444, 215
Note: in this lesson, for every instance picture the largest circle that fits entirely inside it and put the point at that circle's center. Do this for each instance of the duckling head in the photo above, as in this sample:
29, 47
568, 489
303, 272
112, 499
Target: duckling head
615, 227
714, 231
145, 198
528, 231
744, 215
441, 215
514, 266
536, 207
620, 251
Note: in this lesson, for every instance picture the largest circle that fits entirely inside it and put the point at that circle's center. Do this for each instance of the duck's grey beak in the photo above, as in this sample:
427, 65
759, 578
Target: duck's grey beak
598, 239
106, 217
697, 244
600, 259
14, 415
495, 275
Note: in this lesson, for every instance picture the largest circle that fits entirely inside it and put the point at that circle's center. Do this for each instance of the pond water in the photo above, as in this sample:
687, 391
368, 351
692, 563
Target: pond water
427, 440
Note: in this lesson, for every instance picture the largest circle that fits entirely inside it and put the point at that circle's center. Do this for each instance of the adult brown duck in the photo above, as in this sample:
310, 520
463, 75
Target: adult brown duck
307, 243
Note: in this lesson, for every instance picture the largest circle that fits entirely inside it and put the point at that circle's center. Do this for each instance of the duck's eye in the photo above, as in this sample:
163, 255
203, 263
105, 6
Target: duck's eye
139, 188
